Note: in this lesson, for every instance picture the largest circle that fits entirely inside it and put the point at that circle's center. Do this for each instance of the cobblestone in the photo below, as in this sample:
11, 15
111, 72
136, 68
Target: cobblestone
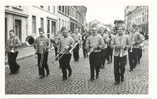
28, 82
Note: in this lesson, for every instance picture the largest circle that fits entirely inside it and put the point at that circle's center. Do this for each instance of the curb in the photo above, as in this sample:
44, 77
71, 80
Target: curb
23, 57
20, 58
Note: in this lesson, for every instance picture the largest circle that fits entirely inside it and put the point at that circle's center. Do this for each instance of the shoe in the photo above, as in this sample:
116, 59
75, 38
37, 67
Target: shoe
70, 74
92, 79
116, 83
102, 66
41, 77
11, 73
97, 76
130, 70
47, 74
64, 78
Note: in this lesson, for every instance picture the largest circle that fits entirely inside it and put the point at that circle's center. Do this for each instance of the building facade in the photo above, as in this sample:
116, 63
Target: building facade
77, 17
72, 17
16, 18
26, 20
44, 17
137, 15
63, 17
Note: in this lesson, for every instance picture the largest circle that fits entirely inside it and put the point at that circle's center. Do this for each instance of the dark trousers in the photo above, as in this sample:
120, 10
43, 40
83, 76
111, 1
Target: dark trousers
84, 49
104, 56
132, 59
138, 54
109, 54
64, 63
14, 67
44, 64
55, 51
119, 68
95, 63
84, 52
76, 53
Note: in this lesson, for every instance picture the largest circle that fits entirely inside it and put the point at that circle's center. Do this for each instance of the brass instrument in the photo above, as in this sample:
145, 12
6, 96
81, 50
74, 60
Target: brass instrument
66, 50
30, 41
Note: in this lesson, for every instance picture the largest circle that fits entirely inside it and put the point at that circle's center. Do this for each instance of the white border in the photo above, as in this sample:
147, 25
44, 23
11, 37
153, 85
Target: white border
70, 2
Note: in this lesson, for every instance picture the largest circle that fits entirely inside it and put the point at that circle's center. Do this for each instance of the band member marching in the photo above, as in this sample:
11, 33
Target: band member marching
138, 43
65, 44
84, 38
105, 50
12, 50
131, 50
55, 42
120, 44
94, 45
42, 50
77, 38
109, 48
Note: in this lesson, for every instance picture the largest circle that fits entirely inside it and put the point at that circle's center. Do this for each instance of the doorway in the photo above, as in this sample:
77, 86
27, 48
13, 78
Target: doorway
18, 28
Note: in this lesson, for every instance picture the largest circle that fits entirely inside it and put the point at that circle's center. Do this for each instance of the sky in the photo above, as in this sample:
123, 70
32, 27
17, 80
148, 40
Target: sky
106, 12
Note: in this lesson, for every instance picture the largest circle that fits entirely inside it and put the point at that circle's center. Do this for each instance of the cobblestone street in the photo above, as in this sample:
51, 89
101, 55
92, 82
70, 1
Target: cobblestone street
28, 82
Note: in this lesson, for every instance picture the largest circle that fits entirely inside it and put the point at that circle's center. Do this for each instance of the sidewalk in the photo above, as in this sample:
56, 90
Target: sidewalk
23, 53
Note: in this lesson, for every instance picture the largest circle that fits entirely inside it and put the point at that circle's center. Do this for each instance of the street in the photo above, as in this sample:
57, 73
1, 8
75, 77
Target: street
27, 80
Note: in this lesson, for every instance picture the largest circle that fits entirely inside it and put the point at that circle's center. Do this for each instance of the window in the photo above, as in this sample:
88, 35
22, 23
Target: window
48, 26
33, 24
59, 8
63, 9
42, 23
53, 27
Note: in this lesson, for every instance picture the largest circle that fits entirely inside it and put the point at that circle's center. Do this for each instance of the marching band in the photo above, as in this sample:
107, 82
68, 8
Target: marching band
98, 47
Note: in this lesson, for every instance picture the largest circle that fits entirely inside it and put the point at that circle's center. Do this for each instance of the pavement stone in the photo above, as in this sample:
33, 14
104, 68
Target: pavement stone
28, 82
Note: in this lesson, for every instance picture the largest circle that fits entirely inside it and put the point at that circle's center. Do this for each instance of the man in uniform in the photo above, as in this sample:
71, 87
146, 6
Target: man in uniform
104, 49
138, 41
94, 45
12, 44
109, 48
65, 44
42, 46
84, 38
120, 44
77, 38
131, 50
